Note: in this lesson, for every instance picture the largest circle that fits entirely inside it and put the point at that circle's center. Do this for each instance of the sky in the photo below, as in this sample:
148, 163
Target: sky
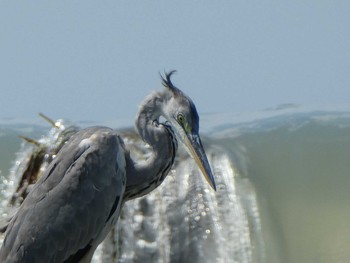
97, 60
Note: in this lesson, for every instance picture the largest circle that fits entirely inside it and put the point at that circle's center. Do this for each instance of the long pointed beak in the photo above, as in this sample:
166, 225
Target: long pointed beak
194, 144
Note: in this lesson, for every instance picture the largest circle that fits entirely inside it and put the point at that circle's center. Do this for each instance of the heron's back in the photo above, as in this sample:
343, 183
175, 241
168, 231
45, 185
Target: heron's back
71, 208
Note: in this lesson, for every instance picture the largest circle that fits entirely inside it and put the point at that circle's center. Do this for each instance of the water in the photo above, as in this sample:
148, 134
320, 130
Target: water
282, 192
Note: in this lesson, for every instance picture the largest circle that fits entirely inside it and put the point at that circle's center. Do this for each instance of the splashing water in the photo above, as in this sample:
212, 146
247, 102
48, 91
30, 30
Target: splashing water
185, 221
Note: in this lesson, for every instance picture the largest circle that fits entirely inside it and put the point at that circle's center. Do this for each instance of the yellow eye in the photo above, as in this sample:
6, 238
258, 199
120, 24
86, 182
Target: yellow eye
180, 118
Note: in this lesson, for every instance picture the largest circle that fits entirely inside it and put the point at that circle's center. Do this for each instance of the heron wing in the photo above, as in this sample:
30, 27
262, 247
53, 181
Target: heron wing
73, 205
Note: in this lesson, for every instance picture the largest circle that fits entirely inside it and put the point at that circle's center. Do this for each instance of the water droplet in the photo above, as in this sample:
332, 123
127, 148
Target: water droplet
197, 218
207, 231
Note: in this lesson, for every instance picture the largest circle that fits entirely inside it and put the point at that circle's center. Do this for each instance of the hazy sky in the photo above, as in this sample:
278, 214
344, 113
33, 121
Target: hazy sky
96, 60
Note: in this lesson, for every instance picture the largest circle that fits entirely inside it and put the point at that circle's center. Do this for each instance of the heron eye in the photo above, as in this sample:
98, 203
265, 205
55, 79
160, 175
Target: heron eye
180, 118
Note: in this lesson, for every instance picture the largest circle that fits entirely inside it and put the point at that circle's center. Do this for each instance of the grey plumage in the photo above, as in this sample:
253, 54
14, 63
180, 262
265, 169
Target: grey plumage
74, 204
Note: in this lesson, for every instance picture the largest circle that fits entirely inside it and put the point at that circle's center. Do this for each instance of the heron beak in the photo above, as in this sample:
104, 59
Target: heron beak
195, 147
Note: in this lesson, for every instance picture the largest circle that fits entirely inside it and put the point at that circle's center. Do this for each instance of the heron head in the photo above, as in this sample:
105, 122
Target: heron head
182, 115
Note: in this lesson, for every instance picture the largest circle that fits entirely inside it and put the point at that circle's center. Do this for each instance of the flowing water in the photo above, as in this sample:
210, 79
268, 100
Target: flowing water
282, 192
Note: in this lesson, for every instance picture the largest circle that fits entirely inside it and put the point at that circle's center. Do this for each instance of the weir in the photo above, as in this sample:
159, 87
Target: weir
282, 194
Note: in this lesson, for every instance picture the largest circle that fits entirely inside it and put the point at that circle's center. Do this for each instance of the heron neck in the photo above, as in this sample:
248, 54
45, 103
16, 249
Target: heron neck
146, 175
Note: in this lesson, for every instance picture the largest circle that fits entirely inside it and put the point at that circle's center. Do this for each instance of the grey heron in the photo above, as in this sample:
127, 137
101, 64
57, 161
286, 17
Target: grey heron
72, 207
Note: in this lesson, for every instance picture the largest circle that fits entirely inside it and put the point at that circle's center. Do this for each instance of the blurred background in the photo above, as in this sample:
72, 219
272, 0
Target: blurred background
95, 61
